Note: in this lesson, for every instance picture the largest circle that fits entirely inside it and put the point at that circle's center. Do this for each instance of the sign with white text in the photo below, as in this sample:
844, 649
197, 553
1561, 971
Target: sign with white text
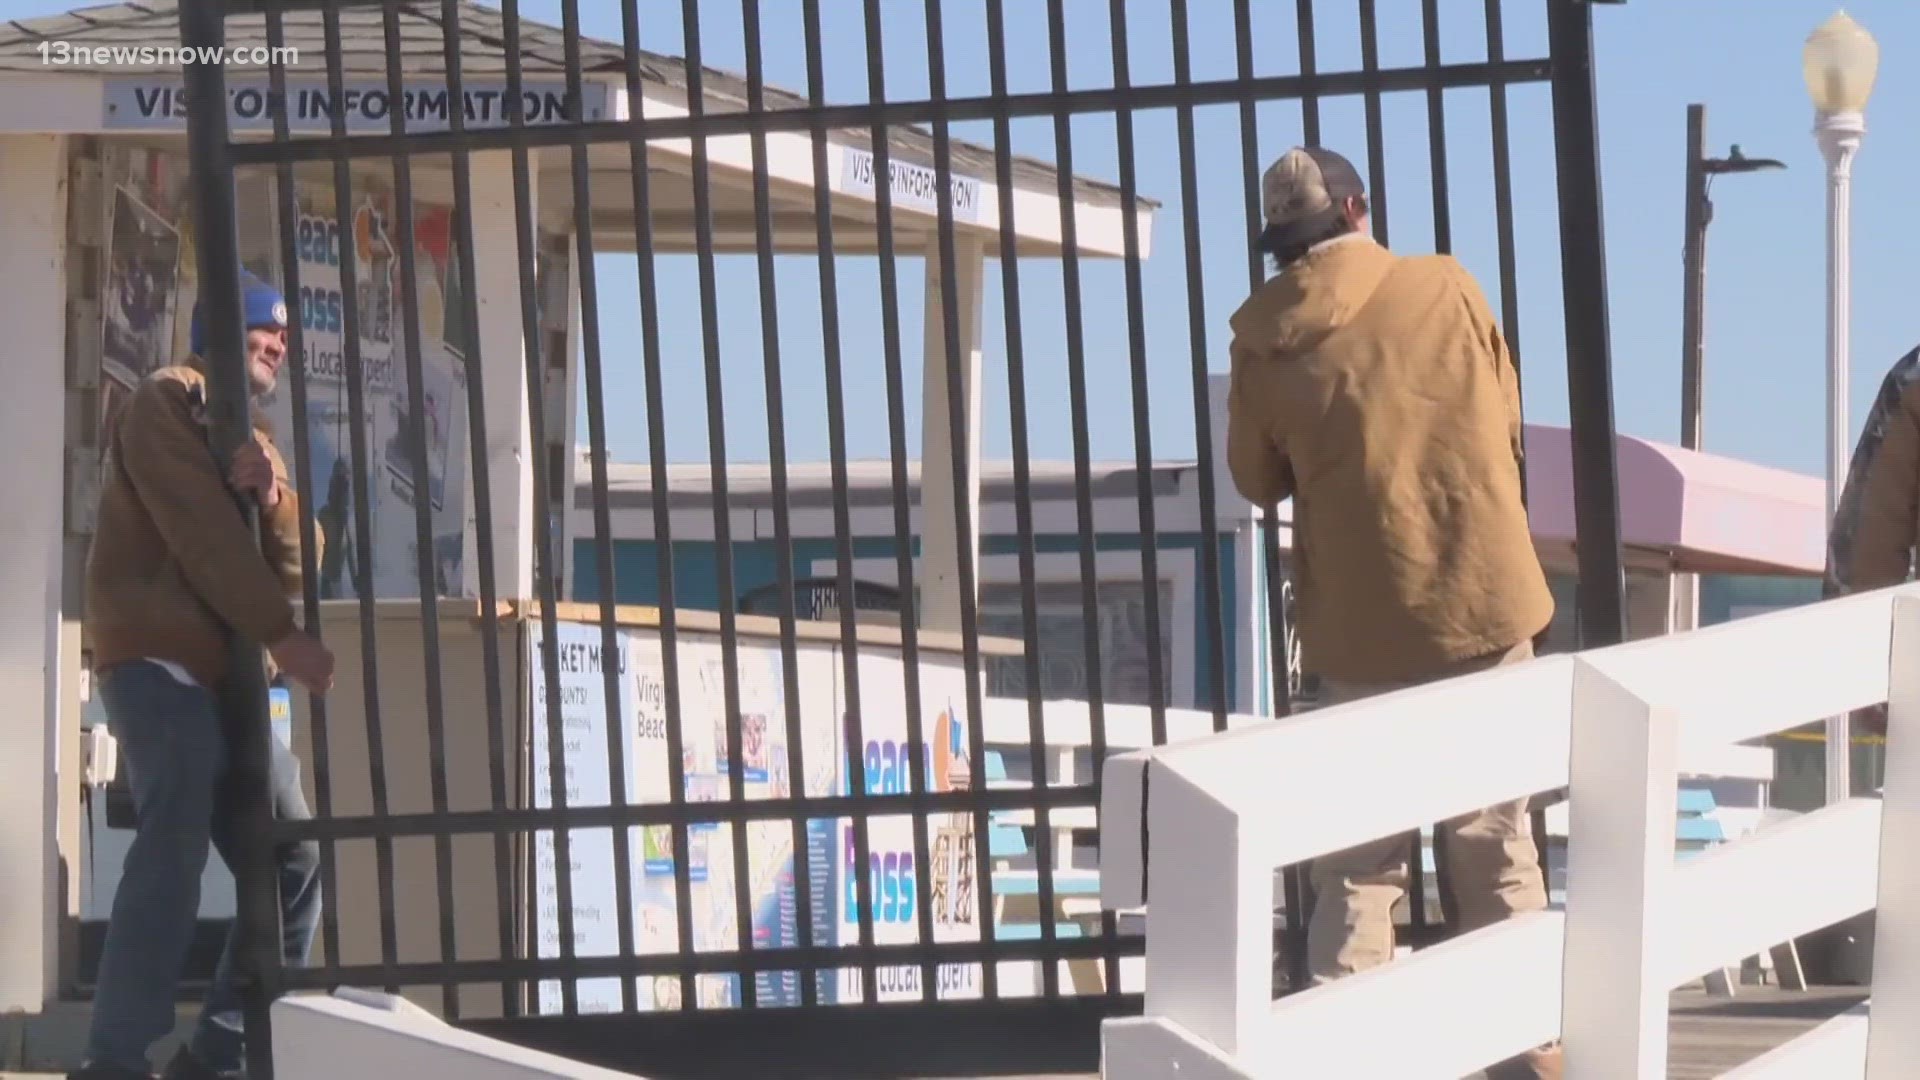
771, 862
150, 102
914, 186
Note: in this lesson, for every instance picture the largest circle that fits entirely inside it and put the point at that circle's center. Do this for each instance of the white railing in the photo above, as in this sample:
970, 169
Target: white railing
362, 1033
1195, 831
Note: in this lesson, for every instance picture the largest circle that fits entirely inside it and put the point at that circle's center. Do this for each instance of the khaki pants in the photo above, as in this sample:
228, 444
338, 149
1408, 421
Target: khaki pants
1491, 865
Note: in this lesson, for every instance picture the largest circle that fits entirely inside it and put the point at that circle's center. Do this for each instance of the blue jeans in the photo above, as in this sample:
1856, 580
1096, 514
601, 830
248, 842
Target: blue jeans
175, 755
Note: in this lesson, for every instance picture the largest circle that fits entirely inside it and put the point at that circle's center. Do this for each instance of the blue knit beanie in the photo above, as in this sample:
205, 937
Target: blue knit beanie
260, 305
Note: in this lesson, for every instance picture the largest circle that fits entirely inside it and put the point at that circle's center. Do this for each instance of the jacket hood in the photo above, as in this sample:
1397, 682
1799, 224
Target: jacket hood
1295, 310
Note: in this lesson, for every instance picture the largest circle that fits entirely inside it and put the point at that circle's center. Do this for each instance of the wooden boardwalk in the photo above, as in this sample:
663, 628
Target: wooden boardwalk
1709, 1035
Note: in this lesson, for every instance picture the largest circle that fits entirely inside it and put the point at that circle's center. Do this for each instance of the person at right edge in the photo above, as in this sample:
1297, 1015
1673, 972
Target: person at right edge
172, 571
1376, 392
1876, 526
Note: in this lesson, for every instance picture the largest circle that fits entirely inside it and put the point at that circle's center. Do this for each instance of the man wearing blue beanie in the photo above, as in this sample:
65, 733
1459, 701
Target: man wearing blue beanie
265, 312
172, 570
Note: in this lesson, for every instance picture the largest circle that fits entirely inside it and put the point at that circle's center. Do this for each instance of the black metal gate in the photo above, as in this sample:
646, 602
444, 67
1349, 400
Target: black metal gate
808, 1035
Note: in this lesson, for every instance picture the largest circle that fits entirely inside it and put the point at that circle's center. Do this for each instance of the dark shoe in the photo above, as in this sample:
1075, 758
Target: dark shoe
185, 1066
1544, 1063
107, 1072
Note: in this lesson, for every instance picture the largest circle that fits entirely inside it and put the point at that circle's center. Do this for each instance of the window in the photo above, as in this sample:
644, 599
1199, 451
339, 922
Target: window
1646, 601
1124, 640
1563, 634
1121, 607
1731, 596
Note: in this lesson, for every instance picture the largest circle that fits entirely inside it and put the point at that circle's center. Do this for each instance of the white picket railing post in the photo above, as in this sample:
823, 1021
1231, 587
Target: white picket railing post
1212, 816
1893, 1031
1623, 771
1209, 917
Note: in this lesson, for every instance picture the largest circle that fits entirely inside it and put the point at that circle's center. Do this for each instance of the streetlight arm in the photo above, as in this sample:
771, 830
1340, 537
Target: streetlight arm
1839, 136
1720, 166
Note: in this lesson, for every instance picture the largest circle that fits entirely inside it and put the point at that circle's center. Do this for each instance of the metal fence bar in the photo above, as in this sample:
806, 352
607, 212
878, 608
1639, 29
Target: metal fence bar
321, 762
1296, 894
777, 458
902, 536
1442, 243
362, 512
712, 962
1059, 102
717, 459
1376, 142
647, 273
1137, 365
610, 668
959, 421
1082, 454
587, 817
1309, 66
1510, 303
1601, 601
1295, 899
1503, 206
482, 486
848, 605
1377, 210
543, 553
1437, 130
415, 432
242, 703
1045, 858
1213, 604
457, 822
1583, 264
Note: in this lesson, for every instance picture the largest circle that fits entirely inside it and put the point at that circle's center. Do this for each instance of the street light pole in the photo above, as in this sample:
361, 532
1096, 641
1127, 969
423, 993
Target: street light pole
1701, 170
1840, 61
1839, 135
1693, 330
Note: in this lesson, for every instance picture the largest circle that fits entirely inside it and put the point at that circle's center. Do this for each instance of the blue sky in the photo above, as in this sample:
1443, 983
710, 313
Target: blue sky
1765, 368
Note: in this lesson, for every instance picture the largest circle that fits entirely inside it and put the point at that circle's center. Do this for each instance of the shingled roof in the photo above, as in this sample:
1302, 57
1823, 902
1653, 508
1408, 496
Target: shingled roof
155, 23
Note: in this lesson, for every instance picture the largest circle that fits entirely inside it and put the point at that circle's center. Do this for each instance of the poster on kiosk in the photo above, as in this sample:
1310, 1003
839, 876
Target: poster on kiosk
770, 865
770, 870
386, 410
893, 879
150, 288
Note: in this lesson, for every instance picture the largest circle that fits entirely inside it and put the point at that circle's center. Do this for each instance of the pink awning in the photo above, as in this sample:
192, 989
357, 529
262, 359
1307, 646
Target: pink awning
1697, 512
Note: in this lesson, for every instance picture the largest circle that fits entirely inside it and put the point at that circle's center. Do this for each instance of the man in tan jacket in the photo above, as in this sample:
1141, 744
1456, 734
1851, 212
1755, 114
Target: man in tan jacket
172, 571
1877, 525
1376, 392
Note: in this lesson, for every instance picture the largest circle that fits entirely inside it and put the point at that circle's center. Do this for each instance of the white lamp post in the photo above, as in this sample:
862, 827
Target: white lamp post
1840, 61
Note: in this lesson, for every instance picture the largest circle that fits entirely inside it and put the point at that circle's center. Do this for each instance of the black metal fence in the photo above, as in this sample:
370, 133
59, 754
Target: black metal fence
860, 1035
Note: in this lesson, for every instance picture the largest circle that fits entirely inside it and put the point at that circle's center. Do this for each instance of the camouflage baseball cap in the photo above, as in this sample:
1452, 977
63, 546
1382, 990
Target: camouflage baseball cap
1302, 192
